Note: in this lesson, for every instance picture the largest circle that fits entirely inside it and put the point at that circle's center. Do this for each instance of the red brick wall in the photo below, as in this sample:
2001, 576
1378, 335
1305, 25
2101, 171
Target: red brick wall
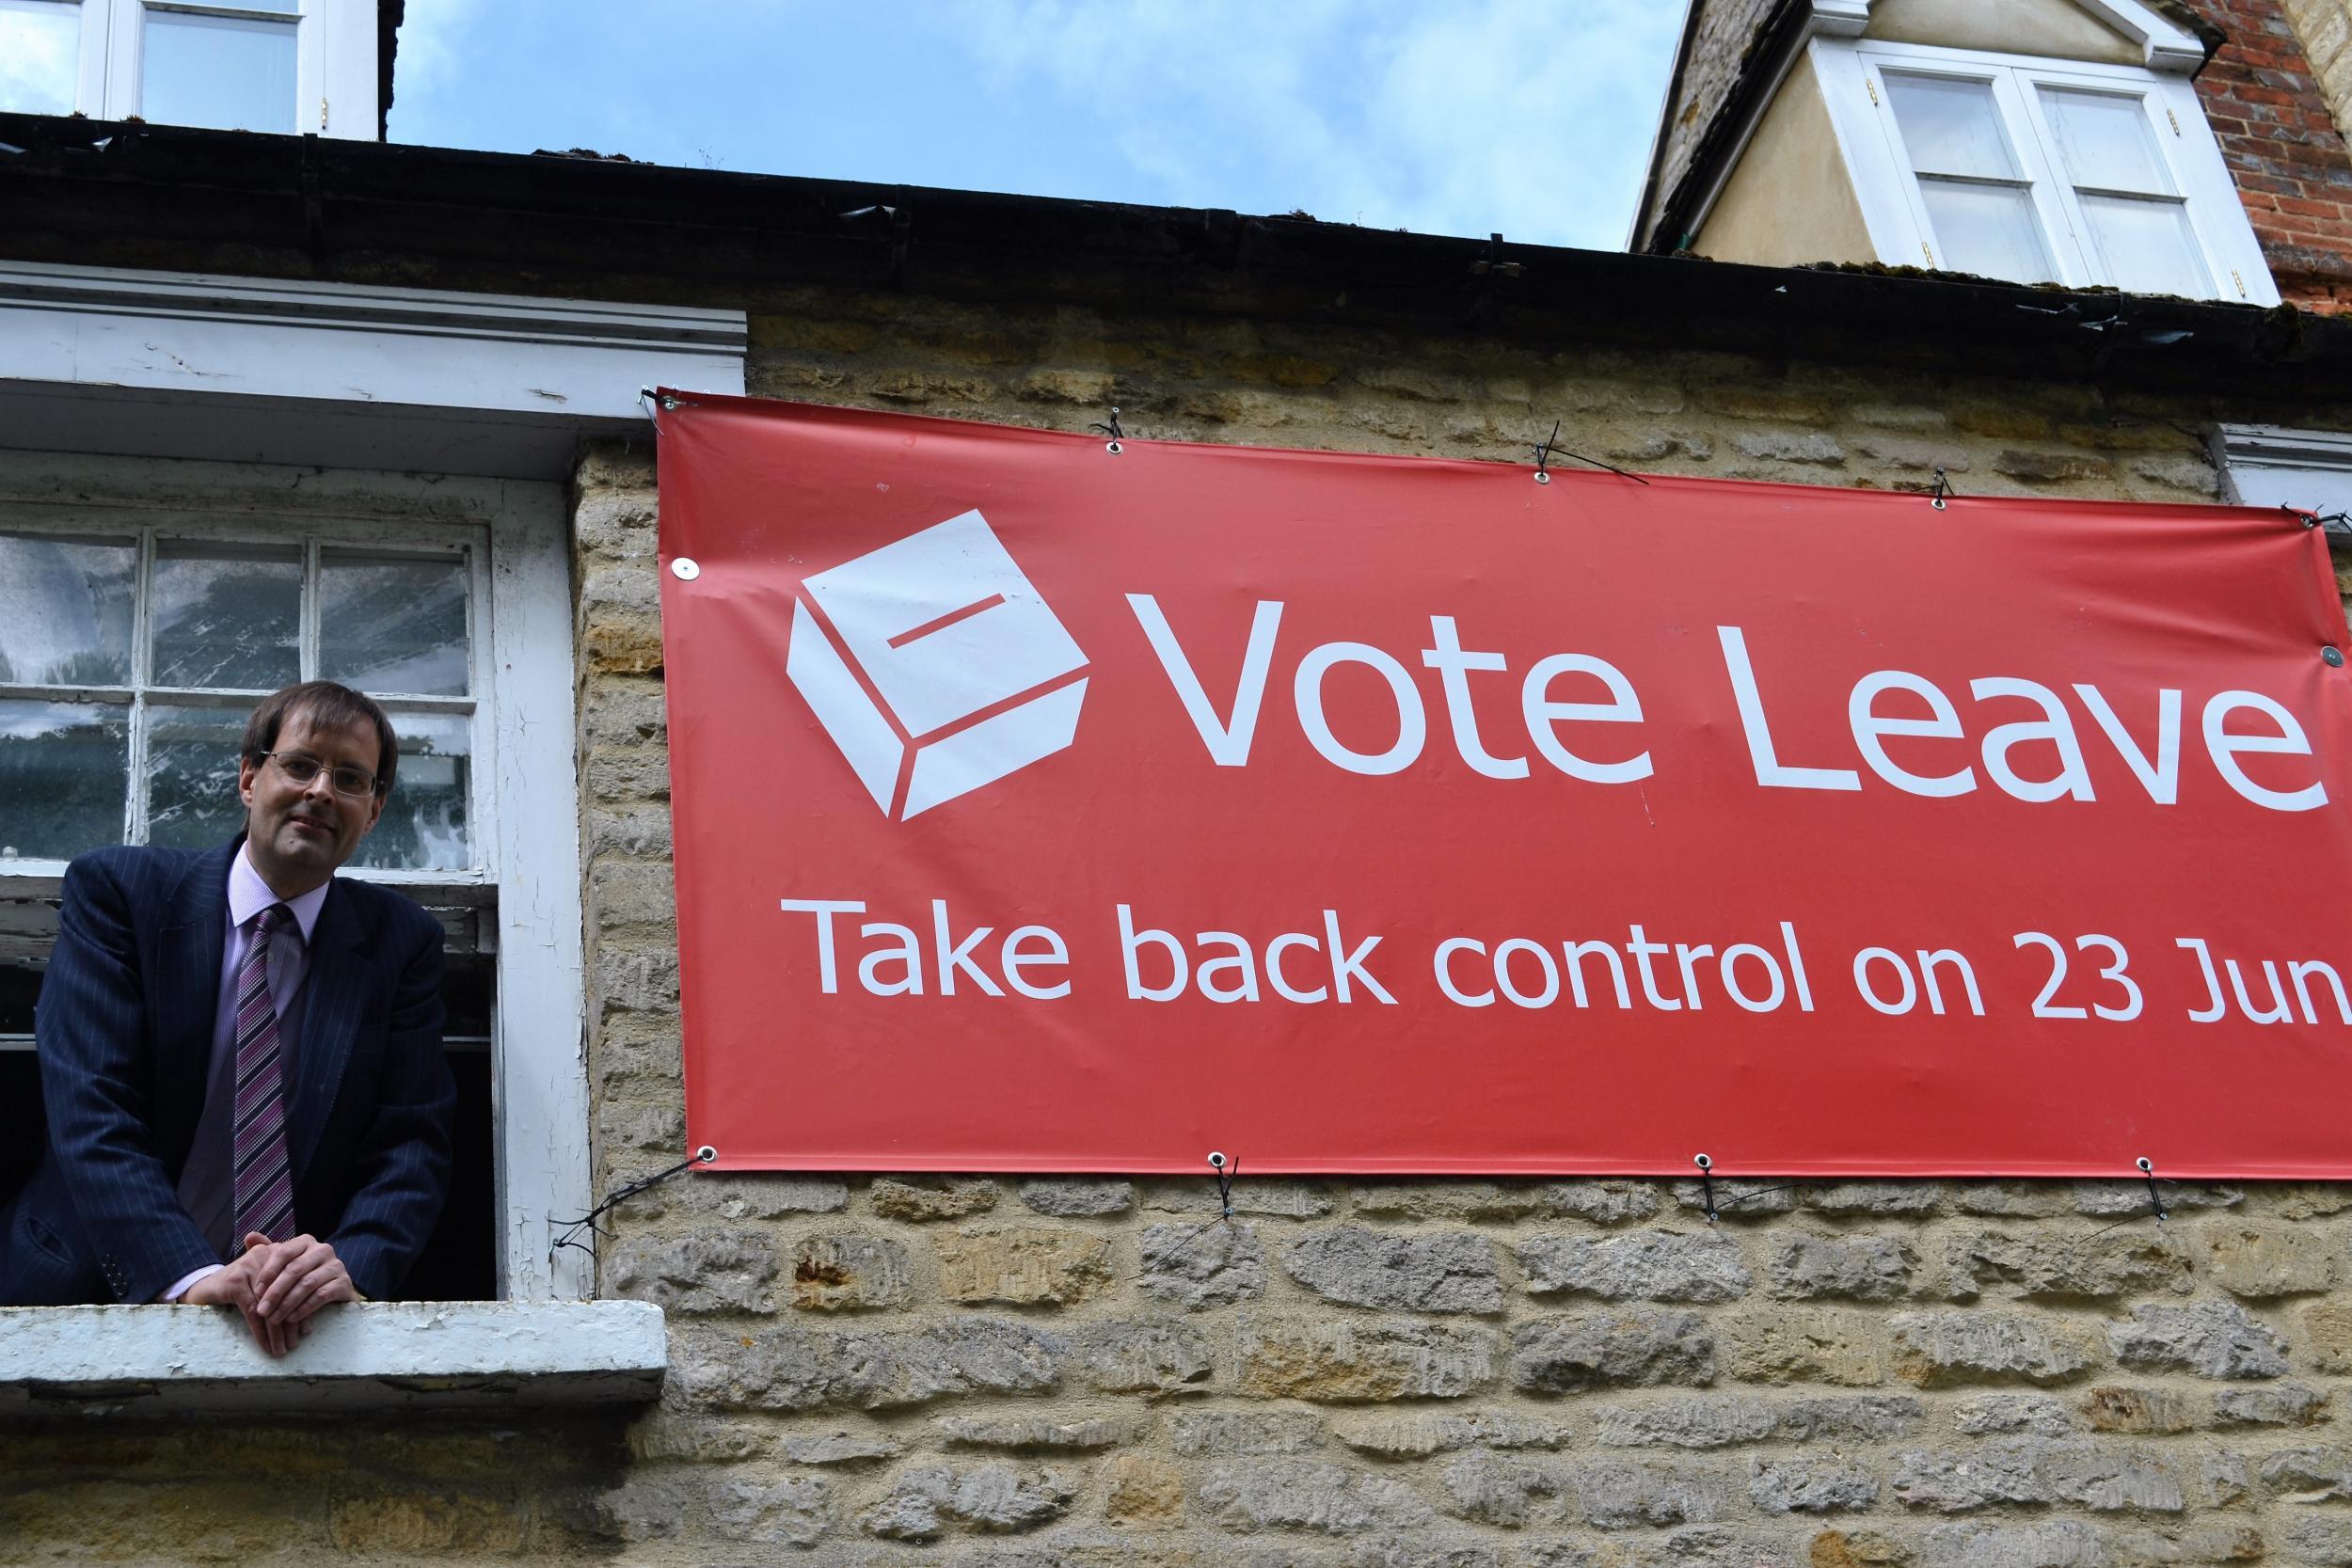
2285, 150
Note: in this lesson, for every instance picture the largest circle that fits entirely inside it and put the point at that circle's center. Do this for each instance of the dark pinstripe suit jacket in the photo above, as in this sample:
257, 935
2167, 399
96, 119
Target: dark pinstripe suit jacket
124, 1026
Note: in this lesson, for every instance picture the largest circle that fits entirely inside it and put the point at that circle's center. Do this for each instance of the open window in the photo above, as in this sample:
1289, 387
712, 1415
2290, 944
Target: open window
284, 66
2036, 170
147, 606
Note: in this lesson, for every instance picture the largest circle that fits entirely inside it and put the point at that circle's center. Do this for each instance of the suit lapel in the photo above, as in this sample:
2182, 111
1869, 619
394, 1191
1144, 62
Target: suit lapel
186, 987
334, 996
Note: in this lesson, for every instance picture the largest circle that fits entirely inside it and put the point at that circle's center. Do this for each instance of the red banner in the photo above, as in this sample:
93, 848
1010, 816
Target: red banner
1043, 803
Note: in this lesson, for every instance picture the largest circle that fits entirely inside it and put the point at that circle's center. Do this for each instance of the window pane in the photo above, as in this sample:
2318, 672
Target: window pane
424, 826
236, 73
65, 610
389, 624
2103, 140
41, 47
1950, 126
192, 776
62, 767
2144, 246
1987, 229
227, 615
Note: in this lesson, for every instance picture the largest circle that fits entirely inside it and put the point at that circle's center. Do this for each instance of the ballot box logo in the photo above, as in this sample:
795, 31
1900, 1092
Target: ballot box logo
935, 666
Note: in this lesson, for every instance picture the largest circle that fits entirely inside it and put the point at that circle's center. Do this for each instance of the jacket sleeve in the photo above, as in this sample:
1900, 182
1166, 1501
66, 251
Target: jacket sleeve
400, 1167
97, 1078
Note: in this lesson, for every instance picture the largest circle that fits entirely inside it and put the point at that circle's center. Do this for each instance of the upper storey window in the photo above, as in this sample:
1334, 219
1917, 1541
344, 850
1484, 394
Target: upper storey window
249, 65
2039, 170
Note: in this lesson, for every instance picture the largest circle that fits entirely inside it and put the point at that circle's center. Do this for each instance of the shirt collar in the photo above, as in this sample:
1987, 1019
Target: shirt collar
248, 896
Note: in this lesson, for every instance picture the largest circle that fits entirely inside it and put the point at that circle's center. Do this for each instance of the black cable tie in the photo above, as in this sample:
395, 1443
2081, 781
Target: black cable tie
1224, 1170
1599, 464
1706, 1184
2156, 1199
1111, 429
1943, 491
570, 1237
1543, 448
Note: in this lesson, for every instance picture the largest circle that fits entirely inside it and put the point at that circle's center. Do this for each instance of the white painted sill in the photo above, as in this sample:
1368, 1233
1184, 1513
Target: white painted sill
112, 1361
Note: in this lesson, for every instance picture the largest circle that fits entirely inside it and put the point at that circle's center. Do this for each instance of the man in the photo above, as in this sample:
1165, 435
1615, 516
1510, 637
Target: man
241, 1055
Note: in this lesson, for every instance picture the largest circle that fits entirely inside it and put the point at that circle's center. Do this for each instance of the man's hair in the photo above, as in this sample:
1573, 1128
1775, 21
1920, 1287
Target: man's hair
327, 705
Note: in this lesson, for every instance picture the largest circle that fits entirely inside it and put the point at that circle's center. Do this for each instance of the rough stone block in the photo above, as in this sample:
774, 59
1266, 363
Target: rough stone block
2274, 1404
1603, 1202
763, 1198
2140, 1410
1997, 1413
1077, 1198
1035, 1431
793, 1369
1942, 1349
2308, 1474
1775, 1345
849, 1272
2044, 1544
2323, 1543
1343, 1362
1222, 1433
1307, 1494
924, 1502
1451, 1201
1722, 1420
2061, 1265
933, 1197
1420, 1435
1651, 1266
1292, 1200
2012, 1199
1805, 1267
722, 1272
1810, 1485
2327, 1328
1623, 1493
1445, 1272
2126, 1199
1212, 1263
2211, 1339
1908, 1200
838, 1446
1143, 1489
1492, 1489
1740, 1198
1855, 1549
1565, 1354
2262, 1259
1789, 446
1024, 1266
1965, 1479
1143, 1355
795, 1511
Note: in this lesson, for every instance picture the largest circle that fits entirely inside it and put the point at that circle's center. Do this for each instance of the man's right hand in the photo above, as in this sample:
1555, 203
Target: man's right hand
277, 1319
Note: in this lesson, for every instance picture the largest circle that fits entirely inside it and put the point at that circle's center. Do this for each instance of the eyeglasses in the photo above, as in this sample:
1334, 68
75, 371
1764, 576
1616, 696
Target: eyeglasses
302, 768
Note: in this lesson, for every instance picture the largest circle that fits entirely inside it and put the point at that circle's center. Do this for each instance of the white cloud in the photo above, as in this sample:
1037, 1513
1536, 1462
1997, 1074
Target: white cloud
432, 46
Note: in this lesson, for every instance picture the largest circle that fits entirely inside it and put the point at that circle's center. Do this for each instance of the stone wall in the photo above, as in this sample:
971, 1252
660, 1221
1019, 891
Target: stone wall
1461, 1374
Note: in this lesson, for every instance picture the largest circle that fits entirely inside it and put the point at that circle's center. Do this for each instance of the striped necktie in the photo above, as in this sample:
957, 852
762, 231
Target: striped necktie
264, 1178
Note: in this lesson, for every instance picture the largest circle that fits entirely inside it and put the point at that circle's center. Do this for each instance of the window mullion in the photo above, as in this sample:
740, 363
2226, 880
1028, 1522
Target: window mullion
89, 84
307, 632
2053, 200
124, 38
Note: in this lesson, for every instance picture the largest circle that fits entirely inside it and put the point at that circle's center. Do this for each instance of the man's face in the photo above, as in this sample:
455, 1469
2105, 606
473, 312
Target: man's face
297, 834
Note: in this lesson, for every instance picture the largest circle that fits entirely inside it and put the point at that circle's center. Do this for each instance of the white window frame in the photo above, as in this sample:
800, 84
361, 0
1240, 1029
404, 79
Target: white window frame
335, 63
524, 771
1862, 116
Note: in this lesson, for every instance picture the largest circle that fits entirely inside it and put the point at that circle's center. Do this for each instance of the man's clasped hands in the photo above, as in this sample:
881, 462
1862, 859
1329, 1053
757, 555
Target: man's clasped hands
278, 1286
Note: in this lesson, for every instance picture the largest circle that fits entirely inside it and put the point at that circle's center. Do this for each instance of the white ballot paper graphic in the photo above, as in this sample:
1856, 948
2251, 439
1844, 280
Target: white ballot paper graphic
944, 670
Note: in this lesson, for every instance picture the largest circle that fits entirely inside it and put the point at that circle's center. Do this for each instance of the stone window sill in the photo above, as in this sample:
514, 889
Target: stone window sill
114, 1361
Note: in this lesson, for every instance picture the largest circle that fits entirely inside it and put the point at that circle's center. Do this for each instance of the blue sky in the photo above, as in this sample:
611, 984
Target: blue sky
1448, 117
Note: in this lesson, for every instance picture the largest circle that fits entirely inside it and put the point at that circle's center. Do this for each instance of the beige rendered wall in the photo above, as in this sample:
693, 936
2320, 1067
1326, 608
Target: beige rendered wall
1790, 199
997, 1372
2056, 28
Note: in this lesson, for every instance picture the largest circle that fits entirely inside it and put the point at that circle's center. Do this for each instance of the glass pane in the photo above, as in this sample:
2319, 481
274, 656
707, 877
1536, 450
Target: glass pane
227, 615
65, 610
2145, 246
192, 776
1987, 229
62, 767
40, 48
234, 74
1950, 125
392, 624
425, 823
2103, 140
